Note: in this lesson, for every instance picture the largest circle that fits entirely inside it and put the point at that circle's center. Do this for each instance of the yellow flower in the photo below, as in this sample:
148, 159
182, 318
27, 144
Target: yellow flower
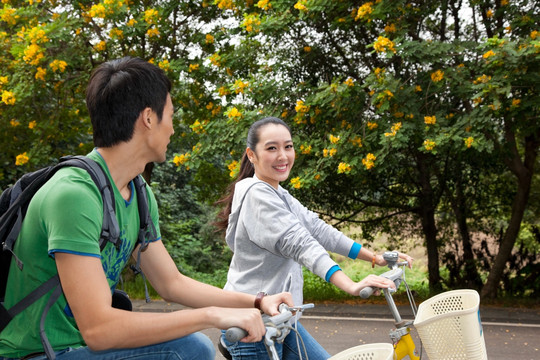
131, 22
98, 11
234, 113
364, 11
489, 13
300, 107
482, 79
317, 176
307, 48
222, 91
209, 38
152, 32
301, 5
390, 28
58, 65
534, 34
4, 80
165, 65
32, 124
151, 16
357, 141
430, 120
369, 161
429, 144
181, 159
516, 102
384, 44
372, 125
239, 86
21, 159
116, 33
8, 97
437, 76
193, 67
417, 88
469, 141
296, 182
264, 4
349, 82
225, 4
394, 129
334, 139
332, 152
305, 149
344, 168
100, 46
33, 54
234, 168
7, 16
215, 59
40, 73
488, 54
37, 35
14, 123
251, 23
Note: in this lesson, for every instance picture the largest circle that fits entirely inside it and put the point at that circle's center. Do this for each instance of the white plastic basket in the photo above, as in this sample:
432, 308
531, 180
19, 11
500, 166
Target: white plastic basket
450, 328
377, 351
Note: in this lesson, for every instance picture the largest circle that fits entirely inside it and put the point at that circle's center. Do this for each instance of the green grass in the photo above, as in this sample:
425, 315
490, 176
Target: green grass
318, 290
315, 288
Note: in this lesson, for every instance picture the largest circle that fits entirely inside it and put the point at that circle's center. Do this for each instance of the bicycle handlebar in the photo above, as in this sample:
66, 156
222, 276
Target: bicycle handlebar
395, 274
277, 322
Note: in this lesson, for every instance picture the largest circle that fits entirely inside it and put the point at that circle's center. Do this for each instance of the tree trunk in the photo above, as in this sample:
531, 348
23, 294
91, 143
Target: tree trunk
427, 215
460, 211
524, 173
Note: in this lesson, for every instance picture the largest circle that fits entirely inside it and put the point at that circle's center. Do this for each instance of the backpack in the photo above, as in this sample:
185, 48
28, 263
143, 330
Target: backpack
13, 206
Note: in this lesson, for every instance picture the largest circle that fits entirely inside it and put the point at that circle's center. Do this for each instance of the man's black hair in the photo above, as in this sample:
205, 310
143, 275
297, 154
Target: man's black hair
117, 93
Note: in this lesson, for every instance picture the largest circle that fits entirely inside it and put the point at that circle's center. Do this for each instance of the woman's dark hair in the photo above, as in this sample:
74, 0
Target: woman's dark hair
118, 91
246, 168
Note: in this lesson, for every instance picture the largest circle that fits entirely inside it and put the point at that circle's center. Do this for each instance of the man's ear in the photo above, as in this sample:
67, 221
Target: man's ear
145, 118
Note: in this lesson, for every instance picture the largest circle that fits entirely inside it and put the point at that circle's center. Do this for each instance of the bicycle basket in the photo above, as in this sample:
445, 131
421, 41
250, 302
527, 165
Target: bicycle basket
449, 326
382, 351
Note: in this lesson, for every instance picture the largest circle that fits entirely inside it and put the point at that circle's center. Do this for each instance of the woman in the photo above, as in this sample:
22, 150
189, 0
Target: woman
272, 236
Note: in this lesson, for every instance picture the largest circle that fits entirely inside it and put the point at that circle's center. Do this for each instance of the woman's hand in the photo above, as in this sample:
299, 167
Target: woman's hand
379, 260
374, 281
270, 303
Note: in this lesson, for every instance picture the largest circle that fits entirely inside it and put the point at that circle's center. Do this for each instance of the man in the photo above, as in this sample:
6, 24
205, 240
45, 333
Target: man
131, 111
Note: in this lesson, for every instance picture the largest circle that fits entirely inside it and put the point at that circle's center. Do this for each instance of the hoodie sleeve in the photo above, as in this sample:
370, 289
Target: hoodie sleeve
273, 226
330, 238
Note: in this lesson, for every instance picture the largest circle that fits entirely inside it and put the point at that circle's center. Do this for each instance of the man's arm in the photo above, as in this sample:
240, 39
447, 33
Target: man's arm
104, 327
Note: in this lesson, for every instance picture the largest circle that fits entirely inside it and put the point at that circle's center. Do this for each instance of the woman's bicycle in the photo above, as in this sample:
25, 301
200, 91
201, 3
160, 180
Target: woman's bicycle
448, 324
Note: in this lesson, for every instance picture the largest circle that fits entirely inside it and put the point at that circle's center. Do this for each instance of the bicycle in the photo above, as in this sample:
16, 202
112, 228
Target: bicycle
439, 320
277, 329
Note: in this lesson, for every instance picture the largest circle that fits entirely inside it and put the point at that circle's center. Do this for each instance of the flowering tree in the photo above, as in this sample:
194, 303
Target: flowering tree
399, 111
406, 115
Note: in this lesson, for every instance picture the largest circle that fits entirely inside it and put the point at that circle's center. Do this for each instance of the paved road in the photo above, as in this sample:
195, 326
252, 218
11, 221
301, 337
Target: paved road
509, 333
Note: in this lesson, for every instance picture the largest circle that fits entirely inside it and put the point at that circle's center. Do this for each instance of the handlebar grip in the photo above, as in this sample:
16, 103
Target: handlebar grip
235, 334
366, 292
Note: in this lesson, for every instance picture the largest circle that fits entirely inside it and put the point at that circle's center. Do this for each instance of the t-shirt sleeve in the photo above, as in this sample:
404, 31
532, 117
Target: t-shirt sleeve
72, 214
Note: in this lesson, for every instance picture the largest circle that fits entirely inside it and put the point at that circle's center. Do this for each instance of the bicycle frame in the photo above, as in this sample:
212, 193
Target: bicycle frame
401, 335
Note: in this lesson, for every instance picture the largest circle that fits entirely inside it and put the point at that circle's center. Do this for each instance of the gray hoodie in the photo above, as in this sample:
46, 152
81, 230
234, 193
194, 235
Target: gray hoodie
272, 235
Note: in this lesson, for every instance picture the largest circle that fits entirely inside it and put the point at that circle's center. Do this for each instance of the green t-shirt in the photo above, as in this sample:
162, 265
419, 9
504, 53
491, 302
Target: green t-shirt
65, 215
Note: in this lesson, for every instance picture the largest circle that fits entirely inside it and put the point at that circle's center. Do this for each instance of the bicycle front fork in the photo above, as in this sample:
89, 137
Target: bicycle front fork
405, 346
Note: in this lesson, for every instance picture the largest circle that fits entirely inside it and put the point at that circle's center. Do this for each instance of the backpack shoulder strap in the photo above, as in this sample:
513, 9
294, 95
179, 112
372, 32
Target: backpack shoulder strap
110, 231
147, 231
